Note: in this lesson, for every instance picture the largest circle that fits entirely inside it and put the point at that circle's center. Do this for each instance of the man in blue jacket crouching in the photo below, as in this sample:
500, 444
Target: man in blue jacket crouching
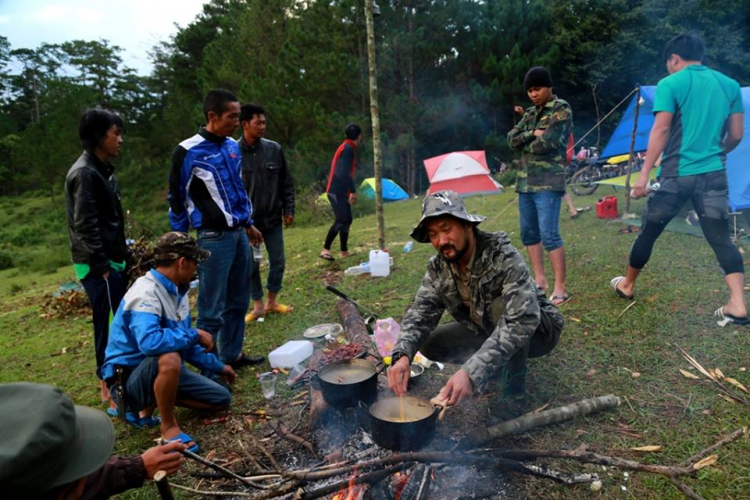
151, 338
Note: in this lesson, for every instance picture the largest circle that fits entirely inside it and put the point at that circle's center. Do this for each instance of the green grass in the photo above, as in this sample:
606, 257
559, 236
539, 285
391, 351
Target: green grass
600, 348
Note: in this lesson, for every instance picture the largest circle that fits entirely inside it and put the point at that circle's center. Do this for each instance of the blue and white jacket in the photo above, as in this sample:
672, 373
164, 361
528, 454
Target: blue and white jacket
206, 190
154, 319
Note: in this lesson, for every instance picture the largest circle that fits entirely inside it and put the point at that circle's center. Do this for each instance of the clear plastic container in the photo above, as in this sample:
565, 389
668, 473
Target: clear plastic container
409, 245
257, 253
363, 268
291, 353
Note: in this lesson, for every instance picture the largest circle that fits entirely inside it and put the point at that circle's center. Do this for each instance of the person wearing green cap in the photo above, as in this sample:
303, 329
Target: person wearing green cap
501, 316
152, 338
53, 449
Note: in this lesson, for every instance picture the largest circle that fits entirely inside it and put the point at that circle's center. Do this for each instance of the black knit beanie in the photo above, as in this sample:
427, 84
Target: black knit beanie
537, 77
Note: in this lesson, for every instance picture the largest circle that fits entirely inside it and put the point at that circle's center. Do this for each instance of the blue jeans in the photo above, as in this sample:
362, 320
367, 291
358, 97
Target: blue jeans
224, 289
139, 387
274, 241
540, 219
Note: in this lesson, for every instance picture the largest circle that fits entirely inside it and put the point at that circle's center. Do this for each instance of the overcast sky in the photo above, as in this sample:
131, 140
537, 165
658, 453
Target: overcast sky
134, 25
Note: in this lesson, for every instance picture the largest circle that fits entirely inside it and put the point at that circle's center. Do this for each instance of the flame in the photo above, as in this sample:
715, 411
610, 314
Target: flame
399, 481
353, 491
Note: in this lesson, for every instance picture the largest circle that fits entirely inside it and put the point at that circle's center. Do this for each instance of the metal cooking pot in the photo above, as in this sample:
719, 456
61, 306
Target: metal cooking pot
403, 423
346, 382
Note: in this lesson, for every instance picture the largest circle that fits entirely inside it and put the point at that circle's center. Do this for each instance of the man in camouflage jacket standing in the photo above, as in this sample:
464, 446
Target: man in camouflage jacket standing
541, 137
501, 317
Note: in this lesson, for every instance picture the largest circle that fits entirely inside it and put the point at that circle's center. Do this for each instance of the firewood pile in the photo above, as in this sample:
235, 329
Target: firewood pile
330, 453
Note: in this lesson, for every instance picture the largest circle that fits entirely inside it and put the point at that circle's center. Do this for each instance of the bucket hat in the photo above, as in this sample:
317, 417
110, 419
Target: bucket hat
442, 203
175, 244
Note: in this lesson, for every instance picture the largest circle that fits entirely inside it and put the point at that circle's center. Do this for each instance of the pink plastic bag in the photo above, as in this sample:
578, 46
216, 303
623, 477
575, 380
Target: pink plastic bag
386, 335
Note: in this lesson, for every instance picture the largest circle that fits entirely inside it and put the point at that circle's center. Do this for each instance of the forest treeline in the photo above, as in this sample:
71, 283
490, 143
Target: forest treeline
449, 74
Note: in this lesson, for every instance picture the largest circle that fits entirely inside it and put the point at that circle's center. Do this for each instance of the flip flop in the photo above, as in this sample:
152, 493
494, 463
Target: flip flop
281, 309
136, 421
251, 316
726, 318
616, 281
186, 438
575, 215
327, 256
562, 298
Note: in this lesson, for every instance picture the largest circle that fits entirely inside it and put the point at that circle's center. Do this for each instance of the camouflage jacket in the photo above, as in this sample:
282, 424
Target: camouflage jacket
543, 158
504, 296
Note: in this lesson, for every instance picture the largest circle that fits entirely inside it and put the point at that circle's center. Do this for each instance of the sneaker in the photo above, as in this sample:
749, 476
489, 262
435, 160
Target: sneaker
244, 361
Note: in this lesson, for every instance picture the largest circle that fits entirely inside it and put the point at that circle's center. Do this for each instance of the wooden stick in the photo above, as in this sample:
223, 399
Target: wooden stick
218, 468
534, 420
729, 439
371, 478
282, 431
162, 485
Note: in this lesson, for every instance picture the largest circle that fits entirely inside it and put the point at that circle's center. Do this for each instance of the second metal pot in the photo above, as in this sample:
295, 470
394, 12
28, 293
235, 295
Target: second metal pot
403, 423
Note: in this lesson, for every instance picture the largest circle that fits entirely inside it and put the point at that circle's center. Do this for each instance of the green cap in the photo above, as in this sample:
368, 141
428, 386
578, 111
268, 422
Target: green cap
442, 203
46, 441
174, 245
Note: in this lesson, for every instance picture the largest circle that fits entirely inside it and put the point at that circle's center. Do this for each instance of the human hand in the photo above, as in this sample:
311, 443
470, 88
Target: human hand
458, 387
163, 458
398, 376
352, 198
640, 188
255, 237
539, 132
205, 339
229, 374
518, 109
288, 220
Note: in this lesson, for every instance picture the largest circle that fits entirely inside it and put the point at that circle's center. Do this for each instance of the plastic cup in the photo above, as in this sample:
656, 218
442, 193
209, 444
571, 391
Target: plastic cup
268, 384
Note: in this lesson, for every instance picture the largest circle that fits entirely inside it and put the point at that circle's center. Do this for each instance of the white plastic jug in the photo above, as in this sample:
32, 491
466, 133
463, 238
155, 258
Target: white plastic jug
380, 264
291, 353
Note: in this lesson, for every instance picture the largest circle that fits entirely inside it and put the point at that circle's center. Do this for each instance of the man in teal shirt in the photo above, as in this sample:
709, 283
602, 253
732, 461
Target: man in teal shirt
699, 119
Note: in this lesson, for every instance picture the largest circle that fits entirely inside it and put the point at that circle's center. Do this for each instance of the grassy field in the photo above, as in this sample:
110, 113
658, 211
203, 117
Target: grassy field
604, 349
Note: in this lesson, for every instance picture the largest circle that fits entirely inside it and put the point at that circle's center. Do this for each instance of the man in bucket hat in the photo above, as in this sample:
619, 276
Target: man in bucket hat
53, 449
501, 316
151, 338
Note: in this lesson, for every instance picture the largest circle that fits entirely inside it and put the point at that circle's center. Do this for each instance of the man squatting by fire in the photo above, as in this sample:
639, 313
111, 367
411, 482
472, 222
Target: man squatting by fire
501, 316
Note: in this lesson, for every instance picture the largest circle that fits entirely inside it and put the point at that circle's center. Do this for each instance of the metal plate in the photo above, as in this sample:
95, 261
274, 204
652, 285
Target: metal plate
318, 331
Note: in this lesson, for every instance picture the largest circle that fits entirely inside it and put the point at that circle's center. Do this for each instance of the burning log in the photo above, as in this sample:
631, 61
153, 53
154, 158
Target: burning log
534, 420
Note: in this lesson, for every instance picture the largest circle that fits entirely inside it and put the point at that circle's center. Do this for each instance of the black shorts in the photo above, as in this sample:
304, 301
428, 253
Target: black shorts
708, 192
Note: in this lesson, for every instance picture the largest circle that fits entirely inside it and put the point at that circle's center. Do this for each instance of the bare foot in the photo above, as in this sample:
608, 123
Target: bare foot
542, 285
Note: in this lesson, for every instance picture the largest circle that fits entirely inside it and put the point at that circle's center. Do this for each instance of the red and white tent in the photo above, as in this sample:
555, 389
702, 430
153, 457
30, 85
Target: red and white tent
465, 172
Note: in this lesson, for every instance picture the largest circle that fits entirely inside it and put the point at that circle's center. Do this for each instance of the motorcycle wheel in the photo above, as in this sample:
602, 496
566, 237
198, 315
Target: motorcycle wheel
582, 182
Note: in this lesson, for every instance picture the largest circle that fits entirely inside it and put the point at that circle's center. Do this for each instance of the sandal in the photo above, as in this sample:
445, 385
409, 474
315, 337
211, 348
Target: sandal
186, 438
281, 309
326, 256
252, 316
562, 299
726, 318
616, 281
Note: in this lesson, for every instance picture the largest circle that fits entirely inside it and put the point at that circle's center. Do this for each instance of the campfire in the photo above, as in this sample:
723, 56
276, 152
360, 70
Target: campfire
342, 459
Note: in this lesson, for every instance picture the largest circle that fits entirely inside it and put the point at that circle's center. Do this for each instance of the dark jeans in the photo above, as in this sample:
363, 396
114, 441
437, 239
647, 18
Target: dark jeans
274, 241
342, 210
139, 387
708, 193
104, 296
224, 289
454, 343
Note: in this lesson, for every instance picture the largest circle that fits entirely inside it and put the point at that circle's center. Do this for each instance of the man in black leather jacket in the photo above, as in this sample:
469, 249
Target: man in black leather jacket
270, 186
96, 224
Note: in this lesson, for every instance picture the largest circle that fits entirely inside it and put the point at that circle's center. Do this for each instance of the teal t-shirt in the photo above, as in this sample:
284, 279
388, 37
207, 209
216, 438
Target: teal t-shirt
700, 100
